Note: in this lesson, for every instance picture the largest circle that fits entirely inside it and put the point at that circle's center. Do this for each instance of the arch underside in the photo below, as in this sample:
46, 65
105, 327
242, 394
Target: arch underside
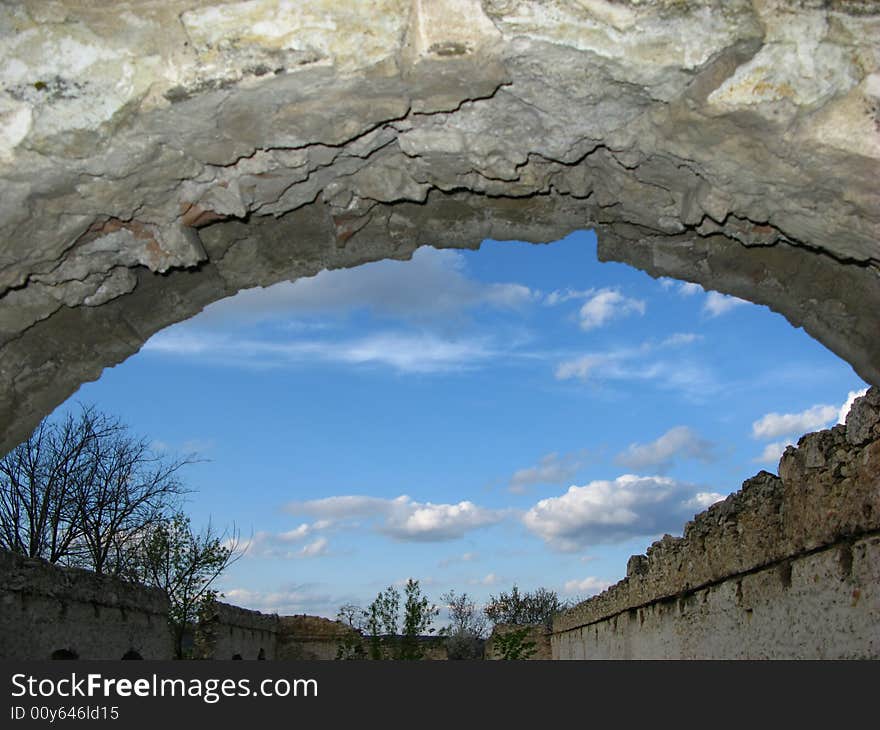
235, 173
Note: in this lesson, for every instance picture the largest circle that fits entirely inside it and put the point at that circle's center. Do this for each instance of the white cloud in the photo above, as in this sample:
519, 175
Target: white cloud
560, 296
587, 586
702, 500
314, 549
772, 452
689, 289
286, 601
773, 425
717, 304
611, 511
847, 404
680, 338
408, 353
434, 284
690, 377
791, 425
487, 580
402, 518
552, 469
463, 558
659, 455
582, 367
265, 544
605, 305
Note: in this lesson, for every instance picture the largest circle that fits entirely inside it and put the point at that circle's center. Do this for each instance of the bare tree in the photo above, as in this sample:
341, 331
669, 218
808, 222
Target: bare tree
81, 491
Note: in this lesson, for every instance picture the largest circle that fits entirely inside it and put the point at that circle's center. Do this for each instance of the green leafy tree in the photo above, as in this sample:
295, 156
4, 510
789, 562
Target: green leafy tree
381, 623
466, 629
514, 644
184, 564
386, 637
418, 615
537, 607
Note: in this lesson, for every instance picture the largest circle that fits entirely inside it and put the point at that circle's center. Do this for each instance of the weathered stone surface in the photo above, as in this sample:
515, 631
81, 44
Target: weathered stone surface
155, 157
785, 567
45, 608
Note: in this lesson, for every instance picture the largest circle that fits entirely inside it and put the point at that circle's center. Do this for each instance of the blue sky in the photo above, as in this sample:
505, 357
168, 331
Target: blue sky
472, 419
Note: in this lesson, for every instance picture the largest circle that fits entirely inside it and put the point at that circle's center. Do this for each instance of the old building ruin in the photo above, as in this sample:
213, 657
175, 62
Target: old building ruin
156, 157
786, 568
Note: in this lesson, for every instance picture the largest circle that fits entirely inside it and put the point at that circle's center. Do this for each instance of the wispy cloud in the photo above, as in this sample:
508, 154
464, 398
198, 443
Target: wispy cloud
659, 455
287, 600
560, 296
433, 285
645, 363
714, 305
463, 558
552, 469
402, 518
610, 511
488, 580
406, 353
286, 545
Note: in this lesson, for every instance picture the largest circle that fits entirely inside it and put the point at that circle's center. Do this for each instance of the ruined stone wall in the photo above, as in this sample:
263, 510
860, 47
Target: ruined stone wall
787, 567
158, 156
47, 611
239, 633
539, 636
310, 637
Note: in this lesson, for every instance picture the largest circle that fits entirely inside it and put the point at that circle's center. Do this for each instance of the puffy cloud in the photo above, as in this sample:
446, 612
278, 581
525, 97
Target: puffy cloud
605, 305
773, 425
717, 304
402, 518
552, 469
791, 425
660, 454
847, 404
435, 522
611, 511
772, 452
587, 586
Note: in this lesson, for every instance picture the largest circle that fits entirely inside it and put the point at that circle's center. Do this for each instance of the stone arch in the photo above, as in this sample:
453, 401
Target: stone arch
237, 657
132, 654
219, 166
